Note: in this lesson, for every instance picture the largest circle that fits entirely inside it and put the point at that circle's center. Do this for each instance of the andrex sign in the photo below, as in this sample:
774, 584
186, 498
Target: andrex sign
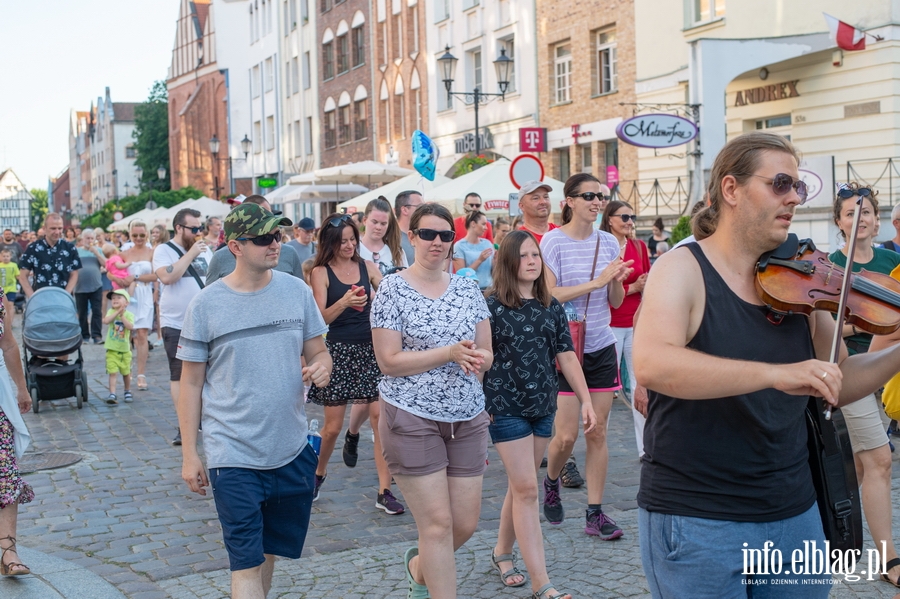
768, 93
656, 130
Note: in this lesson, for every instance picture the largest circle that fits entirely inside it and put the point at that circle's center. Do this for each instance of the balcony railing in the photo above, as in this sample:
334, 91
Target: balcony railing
664, 196
879, 174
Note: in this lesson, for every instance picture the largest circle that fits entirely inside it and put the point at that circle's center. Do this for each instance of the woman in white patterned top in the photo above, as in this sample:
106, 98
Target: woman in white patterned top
432, 341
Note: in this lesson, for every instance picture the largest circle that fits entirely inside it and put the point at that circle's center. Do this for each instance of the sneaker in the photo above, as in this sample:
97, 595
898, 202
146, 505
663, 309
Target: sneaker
319, 481
177, 440
387, 502
553, 507
351, 450
128, 397
600, 525
97, 340
570, 476
112, 400
158, 343
544, 462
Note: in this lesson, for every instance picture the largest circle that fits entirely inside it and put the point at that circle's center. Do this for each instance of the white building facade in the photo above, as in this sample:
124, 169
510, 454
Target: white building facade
112, 150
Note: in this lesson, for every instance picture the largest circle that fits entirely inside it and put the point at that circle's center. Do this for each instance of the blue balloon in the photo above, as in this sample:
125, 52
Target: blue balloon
425, 154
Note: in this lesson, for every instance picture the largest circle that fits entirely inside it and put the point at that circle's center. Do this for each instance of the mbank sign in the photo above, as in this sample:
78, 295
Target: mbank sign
656, 131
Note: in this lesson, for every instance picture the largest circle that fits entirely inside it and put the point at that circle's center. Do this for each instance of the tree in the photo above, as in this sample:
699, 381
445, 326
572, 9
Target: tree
151, 135
38, 208
131, 204
681, 230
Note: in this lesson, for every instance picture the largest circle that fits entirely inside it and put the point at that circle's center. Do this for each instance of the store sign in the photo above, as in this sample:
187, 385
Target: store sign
532, 139
768, 93
266, 182
466, 143
656, 131
496, 205
392, 158
612, 175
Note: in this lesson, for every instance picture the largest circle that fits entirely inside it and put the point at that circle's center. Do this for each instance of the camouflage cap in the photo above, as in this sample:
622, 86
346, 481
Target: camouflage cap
252, 220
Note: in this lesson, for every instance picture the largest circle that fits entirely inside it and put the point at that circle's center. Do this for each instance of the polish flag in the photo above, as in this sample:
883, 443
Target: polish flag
847, 37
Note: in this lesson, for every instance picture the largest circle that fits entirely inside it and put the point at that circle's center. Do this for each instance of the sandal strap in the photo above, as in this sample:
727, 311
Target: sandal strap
893, 563
506, 557
514, 571
541, 593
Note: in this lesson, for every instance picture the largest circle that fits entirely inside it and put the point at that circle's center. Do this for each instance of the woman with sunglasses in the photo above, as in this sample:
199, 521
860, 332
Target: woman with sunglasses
432, 338
585, 267
619, 220
141, 270
871, 450
343, 284
474, 251
381, 241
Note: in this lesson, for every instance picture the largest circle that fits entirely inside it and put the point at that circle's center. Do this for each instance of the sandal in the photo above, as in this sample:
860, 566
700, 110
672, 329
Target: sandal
891, 564
112, 399
416, 590
6, 569
514, 571
541, 593
141, 382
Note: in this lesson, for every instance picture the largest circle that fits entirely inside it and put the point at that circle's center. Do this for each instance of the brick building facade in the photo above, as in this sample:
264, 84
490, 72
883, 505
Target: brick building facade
345, 81
586, 70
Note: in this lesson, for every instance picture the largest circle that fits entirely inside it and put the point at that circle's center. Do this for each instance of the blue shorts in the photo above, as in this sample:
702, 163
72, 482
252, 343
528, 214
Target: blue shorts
11, 296
264, 511
513, 428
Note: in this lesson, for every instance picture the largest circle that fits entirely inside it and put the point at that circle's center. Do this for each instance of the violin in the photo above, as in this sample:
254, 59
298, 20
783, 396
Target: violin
798, 278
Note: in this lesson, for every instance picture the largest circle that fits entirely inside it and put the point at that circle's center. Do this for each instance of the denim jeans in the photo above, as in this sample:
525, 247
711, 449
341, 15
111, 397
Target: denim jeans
94, 300
697, 557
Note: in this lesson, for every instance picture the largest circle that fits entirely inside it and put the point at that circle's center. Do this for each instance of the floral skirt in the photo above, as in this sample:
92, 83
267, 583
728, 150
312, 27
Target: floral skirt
13, 489
354, 376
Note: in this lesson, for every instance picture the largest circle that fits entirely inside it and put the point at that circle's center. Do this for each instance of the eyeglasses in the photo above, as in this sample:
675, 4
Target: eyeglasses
782, 184
193, 230
474, 206
430, 234
338, 220
589, 196
846, 192
410, 205
138, 236
263, 240
627, 217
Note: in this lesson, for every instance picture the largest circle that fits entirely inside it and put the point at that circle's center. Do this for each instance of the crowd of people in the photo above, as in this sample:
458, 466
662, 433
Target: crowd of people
447, 333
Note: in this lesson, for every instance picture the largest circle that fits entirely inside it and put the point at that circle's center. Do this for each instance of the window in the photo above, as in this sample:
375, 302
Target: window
327, 61
307, 135
269, 74
359, 46
769, 123
330, 132
326, 5
418, 102
397, 36
474, 69
444, 100
270, 132
295, 76
343, 59
400, 123
563, 73
304, 11
707, 10
504, 12
293, 17
287, 19
469, 4
254, 81
510, 46
386, 121
612, 153
257, 135
384, 50
129, 152
562, 157
607, 80
414, 30
587, 163
297, 144
441, 10
362, 126
344, 124
306, 70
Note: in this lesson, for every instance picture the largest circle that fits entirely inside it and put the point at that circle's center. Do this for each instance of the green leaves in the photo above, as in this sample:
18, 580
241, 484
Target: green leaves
151, 137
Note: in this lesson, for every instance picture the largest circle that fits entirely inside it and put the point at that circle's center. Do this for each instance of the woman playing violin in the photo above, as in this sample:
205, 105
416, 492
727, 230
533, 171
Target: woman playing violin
867, 435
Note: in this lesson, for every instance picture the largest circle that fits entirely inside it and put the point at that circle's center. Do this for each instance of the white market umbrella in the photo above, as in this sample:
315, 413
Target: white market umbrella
390, 190
364, 173
206, 206
287, 194
144, 215
492, 183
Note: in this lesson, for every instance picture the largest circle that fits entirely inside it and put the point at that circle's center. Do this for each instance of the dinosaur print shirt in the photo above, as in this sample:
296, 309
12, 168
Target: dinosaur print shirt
522, 380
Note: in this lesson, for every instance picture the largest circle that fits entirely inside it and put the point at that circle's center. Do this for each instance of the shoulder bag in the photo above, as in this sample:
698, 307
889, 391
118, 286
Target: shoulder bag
577, 327
190, 268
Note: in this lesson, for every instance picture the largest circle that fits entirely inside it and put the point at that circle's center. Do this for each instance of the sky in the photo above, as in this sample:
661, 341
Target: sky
62, 54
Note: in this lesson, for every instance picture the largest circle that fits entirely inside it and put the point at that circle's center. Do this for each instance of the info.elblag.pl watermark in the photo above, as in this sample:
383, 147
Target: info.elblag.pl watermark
814, 559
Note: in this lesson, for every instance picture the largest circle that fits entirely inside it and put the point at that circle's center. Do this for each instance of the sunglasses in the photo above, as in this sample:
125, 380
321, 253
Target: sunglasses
846, 192
626, 217
138, 236
263, 240
474, 206
338, 220
430, 234
193, 230
589, 196
782, 184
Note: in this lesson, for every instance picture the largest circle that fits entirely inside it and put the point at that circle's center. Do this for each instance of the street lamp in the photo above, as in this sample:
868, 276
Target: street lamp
214, 145
503, 66
160, 174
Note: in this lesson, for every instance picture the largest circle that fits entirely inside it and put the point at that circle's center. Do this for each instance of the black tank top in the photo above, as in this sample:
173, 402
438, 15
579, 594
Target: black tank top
741, 458
351, 326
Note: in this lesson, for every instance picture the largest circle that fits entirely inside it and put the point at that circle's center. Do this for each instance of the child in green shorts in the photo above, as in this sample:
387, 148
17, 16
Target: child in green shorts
118, 343
9, 279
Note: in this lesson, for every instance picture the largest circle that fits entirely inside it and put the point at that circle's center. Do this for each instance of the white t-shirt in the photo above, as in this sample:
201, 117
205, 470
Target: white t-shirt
385, 260
175, 297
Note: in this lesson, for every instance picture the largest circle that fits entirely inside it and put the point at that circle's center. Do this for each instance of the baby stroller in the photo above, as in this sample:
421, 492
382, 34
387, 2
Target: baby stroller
51, 330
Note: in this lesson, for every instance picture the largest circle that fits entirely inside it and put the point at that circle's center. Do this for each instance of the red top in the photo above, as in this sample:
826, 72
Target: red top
623, 316
460, 226
539, 236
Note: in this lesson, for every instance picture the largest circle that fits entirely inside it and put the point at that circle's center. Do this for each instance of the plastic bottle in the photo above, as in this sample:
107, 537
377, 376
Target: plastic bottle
571, 313
314, 438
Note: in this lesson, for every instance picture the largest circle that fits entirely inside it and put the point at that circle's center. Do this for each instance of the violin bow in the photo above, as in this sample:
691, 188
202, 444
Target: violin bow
845, 291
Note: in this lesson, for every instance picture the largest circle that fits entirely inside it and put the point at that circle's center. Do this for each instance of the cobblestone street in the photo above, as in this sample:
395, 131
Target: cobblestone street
122, 515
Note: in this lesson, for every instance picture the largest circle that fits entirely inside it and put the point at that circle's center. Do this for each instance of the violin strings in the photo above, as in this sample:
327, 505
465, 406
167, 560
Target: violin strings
875, 290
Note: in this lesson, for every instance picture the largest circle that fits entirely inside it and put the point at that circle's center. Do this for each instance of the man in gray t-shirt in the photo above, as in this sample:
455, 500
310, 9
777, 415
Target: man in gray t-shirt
303, 243
223, 263
241, 346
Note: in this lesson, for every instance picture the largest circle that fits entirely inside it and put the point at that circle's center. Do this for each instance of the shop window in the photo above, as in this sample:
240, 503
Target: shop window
775, 121
562, 159
605, 76
587, 163
562, 64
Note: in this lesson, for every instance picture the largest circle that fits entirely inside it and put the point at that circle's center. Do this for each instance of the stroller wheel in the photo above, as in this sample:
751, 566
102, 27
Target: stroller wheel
79, 395
35, 400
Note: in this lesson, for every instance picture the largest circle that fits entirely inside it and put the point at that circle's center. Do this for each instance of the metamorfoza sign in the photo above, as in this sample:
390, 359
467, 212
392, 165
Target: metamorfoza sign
656, 131
768, 93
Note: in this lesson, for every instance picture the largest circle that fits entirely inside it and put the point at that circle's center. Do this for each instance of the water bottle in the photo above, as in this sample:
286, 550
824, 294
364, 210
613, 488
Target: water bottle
571, 313
314, 438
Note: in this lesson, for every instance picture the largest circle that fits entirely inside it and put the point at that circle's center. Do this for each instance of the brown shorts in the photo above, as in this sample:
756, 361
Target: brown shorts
415, 446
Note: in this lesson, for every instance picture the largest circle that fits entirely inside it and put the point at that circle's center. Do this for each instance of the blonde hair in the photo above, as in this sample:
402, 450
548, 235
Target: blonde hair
109, 250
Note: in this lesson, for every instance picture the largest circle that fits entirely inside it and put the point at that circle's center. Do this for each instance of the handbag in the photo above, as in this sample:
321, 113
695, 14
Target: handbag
577, 327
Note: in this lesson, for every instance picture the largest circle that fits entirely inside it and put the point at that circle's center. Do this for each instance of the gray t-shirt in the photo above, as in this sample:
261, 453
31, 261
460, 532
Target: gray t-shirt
223, 263
89, 278
305, 252
407, 246
253, 414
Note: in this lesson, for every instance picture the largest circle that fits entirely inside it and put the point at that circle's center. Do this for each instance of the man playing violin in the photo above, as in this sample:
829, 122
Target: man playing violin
726, 463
